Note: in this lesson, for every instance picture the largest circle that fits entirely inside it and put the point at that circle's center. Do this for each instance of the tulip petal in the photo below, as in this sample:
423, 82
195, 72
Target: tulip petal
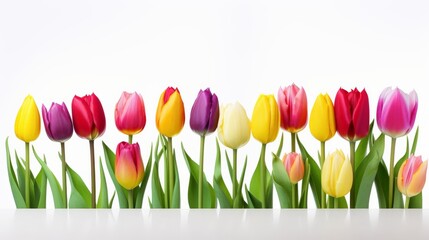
200, 113
344, 180
343, 113
418, 180
214, 114
361, 117
98, 115
82, 117
172, 117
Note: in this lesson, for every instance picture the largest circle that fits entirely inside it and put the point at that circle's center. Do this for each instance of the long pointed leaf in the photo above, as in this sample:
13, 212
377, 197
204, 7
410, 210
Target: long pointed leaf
304, 187
222, 193
282, 183
103, 196
80, 196
142, 187
16, 192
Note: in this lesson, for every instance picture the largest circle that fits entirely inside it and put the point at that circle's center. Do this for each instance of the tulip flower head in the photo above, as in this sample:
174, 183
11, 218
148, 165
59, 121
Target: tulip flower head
294, 166
58, 123
129, 169
170, 114
412, 176
293, 108
265, 119
352, 114
205, 113
337, 175
130, 114
234, 126
88, 117
396, 112
27, 122
322, 118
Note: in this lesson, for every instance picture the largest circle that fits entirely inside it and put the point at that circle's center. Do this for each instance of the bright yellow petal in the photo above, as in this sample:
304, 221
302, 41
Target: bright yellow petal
261, 119
27, 123
172, 117
274, 119
159, 109
331, 116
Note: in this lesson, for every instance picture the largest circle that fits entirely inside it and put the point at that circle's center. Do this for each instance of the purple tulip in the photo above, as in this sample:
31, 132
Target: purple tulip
396, 112
205, 113
58, 123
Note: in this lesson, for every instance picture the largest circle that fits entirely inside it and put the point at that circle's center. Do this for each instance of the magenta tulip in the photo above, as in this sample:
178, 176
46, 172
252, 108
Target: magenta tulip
352, 114
130, 114
58, 123
293, 108
396, 112
88, 117
205, 113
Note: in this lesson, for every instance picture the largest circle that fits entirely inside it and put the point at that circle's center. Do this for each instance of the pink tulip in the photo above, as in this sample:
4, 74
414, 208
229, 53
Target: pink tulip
293, 108
294, 166
412, 176
130, 114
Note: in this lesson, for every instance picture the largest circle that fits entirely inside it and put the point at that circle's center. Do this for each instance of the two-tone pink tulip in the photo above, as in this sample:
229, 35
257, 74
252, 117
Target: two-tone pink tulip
412, 176
130, 114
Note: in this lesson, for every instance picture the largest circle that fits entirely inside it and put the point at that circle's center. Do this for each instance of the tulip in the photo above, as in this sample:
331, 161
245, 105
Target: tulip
352, 121
233, 132
58, 123
129, 169
352, 114
337, 175
294, 166
59, 128
27, 128
205, 113
170, 114
130, 114
322, 118
396, 113
293, 110
412, 177
90, 123
265, 119
322, 127
27, 122
204, 119
88, 117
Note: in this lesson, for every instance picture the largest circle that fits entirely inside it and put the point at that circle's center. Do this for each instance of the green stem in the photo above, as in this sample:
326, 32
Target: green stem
27, 174
293, 140
170, 170
201, 173
234, 168
64, 168
352, 161
336, 202
407, 202
131, 198
263, 175
294, 195
391, 172
93, 191
166, 182
322, 161
130, 139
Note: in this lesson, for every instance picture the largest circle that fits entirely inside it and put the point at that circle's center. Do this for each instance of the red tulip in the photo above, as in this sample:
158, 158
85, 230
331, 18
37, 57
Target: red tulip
352, 114
130, 115
88, 117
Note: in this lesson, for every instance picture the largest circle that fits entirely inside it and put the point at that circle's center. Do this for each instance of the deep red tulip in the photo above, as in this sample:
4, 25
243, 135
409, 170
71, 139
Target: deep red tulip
88, 117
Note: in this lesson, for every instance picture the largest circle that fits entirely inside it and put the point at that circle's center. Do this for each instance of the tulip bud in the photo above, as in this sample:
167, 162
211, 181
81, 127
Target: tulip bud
322, 118
396, 112
170, 114
337, 175
205, 113
265, 119
58, 123
129, 169
294, 166
88, 117
412, 176
130, 114
234, 126
352, 114
293, 108
27, 122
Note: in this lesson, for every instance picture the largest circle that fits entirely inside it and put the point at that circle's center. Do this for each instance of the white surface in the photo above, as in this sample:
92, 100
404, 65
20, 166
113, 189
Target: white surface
214, 224
56, 49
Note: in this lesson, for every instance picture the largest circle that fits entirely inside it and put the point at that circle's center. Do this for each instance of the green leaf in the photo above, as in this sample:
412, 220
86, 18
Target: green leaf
252, 201
382, 185
315, 177
398, 201
158, 195
103, 196
41, 182
175, 202
57, 192
230, 168
282, 183
110, 158
111, 200
21, 174
416, 201
239, 201
80, 196
16, 192
366, 172
256, 189
222, 193
414, 146
362, 148
142, 188
304, 187
280, 147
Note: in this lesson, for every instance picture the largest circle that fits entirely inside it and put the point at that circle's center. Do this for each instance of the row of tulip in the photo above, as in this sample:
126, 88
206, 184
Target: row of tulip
336, 174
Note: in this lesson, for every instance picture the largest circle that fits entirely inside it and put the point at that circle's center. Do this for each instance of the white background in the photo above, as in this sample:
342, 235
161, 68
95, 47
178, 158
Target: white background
240, 49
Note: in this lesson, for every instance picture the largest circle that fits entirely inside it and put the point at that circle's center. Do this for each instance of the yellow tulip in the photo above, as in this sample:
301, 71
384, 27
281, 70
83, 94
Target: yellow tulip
266, 119
27, 122
337, 175
322, 118
234, 126
170, 114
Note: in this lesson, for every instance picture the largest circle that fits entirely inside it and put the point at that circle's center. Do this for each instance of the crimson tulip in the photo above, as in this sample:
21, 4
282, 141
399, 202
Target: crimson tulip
88, 117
